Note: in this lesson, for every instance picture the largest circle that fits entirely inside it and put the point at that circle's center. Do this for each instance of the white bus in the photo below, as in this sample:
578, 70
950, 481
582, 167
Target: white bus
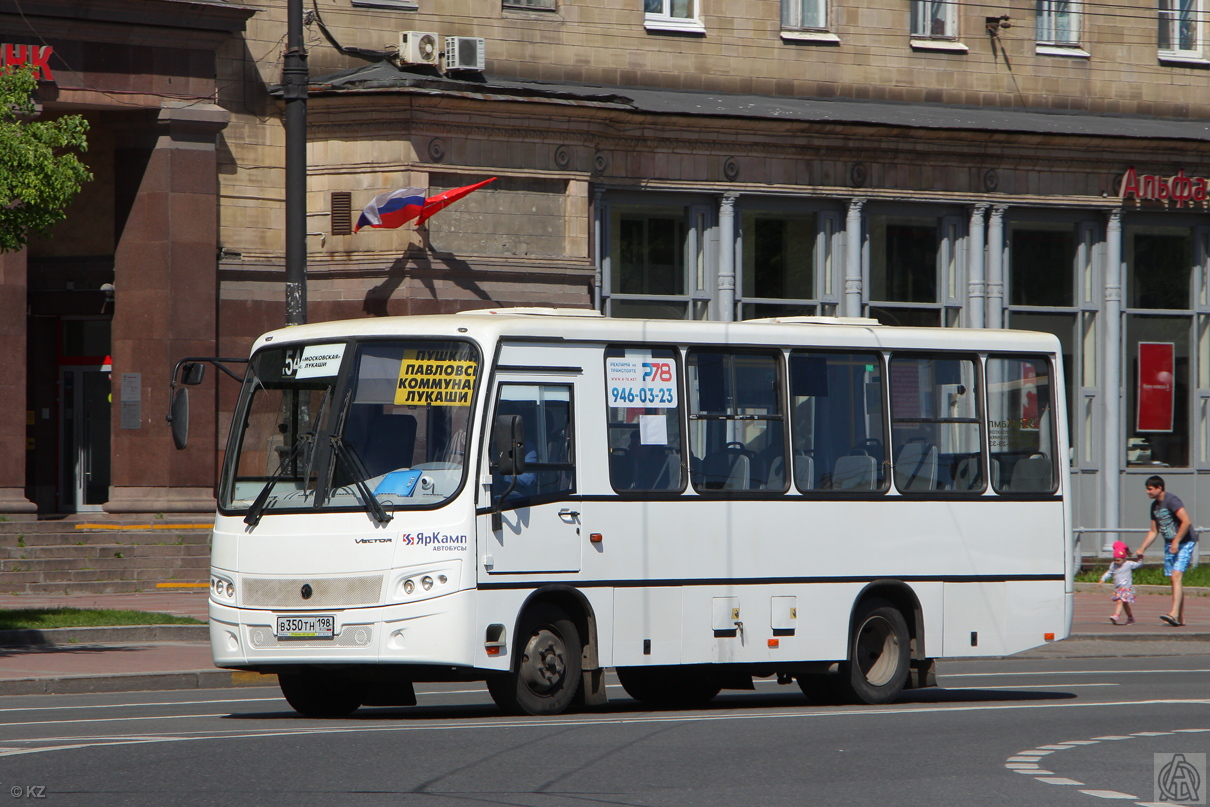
528, 497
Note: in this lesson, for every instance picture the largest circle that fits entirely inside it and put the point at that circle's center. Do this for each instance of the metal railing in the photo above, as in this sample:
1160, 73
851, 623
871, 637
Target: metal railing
1108, 549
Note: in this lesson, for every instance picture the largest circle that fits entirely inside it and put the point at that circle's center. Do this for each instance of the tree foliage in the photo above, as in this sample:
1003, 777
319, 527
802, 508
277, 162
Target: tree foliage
39, 171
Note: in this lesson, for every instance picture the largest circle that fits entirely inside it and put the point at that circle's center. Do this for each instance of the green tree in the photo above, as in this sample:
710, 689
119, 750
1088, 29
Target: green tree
39, 173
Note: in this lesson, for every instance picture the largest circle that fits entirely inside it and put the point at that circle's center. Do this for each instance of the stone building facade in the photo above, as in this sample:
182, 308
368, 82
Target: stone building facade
928, 163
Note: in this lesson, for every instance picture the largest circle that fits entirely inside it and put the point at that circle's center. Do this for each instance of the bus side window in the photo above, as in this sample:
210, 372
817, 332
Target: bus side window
737, 426
936, 432
643, 389
545, 409
837, 428
1020, 413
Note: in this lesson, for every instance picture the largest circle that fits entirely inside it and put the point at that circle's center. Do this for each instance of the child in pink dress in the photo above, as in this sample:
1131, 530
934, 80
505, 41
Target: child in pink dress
1122, 572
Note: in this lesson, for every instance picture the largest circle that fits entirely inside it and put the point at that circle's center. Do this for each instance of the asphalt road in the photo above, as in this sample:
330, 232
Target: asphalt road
1067, 731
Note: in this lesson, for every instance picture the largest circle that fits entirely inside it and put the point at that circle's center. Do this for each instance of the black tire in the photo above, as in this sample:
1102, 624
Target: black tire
879, 655
546, 666
314, 693
670, 687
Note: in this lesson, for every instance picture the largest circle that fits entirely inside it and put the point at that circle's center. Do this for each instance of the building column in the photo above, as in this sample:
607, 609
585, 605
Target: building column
853, 285
1111, 378
13, 401
994, 315
598, 253
165, 308
977, 285
726, 257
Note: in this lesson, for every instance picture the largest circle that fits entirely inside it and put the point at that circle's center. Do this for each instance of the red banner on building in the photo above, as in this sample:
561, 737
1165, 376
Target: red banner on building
1157, 386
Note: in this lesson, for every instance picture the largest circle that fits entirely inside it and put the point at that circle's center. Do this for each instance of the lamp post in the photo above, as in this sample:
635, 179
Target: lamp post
294, 89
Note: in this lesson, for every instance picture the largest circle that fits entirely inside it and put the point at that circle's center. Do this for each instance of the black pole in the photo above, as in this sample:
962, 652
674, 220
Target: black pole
294, 86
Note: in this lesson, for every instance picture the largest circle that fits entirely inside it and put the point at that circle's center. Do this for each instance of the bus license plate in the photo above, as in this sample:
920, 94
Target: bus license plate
306, 627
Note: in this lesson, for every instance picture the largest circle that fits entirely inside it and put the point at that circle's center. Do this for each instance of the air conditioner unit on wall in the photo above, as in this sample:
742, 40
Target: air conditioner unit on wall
418, 47
464, 53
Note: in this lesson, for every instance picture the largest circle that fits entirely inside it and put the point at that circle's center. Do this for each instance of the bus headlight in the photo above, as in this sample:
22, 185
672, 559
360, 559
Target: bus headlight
221, 588
425, 583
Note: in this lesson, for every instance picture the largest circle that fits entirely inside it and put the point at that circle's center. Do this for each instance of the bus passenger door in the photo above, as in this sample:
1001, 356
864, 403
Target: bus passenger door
539, 525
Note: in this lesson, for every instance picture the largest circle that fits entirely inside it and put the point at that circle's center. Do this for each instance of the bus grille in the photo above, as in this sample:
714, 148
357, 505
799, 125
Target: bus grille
351, 636
326, 592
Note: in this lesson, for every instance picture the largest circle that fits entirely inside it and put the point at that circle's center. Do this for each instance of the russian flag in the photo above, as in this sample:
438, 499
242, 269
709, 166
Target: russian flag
392, 209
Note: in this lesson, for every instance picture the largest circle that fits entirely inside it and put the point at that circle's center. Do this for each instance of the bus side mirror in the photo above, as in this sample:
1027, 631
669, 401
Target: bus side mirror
178, 415
192, 373
508, 439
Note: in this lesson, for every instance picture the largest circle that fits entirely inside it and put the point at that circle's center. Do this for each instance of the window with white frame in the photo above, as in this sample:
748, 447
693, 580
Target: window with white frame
1059, 22
935, 19
804, 14
1180, 27
672, 15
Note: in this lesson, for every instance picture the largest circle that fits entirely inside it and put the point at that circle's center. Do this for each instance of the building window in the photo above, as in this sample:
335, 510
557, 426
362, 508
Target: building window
906, 256
1058, 22
657, 263
808, 14
672, 15
779, 265
1159, 345
1180, 27
935, 19
540, 5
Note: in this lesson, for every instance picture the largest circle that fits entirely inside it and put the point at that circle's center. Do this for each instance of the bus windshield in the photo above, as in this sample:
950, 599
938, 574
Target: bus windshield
319, 428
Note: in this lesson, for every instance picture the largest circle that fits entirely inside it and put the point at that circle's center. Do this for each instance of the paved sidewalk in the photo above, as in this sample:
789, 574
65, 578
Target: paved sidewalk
134, 659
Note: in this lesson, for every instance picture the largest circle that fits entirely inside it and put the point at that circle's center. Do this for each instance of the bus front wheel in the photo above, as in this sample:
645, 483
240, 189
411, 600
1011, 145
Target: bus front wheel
313, 693
879, 659
546, 671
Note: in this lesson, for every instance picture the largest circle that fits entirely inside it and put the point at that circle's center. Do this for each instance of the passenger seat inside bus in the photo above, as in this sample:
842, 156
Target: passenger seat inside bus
855, 472
1032, 475
916, 466
732, 468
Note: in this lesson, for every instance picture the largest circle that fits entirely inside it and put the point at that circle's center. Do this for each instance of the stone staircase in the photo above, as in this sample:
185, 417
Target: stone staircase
102, 555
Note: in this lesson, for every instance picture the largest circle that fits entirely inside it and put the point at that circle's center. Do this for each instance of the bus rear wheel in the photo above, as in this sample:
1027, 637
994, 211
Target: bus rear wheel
313, 693
879, 659
669, 687
546, 670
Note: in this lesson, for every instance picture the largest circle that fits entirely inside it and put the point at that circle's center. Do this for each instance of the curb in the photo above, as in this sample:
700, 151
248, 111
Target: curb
1137, 637
53, 637
135, 682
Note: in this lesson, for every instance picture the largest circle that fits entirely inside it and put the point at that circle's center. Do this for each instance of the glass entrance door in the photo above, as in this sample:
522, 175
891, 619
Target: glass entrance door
84, 424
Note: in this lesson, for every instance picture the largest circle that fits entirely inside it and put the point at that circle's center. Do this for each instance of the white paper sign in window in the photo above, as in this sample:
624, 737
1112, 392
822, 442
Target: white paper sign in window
318, 361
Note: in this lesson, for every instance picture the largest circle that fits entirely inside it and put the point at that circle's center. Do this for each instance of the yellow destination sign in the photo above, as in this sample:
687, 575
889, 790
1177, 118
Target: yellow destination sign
428, 378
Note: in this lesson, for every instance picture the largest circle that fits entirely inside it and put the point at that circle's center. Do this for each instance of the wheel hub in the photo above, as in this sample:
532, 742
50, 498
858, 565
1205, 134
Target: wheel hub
877, 651
544, 663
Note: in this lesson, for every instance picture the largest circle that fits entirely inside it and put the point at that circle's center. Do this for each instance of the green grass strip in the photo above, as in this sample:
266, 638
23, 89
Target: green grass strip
1147, 576
46, 618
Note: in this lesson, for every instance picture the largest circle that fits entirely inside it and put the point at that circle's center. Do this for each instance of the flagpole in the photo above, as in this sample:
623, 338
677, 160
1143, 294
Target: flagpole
294, 87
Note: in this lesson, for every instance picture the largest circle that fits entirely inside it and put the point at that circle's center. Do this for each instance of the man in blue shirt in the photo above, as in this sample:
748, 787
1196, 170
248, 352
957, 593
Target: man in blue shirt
1170, 519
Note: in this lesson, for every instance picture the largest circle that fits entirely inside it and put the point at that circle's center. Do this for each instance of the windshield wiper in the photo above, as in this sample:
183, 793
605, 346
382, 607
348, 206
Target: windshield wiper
345, 453
258, 506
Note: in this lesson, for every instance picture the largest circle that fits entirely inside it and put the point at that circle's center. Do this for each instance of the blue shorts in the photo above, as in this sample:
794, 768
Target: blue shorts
1180, 560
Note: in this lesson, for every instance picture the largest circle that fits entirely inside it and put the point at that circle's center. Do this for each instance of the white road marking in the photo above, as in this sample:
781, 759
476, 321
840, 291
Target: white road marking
1033, 686
1038, 772
1026, 762
1065, 672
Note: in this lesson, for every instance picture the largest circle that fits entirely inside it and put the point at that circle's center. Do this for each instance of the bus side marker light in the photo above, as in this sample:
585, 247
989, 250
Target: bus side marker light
774, 643
494, 650
1048, 637
595, 537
